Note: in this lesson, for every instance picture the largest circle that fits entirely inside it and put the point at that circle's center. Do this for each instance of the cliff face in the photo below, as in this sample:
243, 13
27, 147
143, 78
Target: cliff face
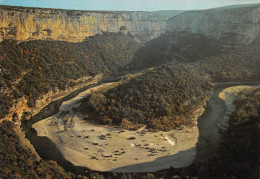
241, 23
74, 26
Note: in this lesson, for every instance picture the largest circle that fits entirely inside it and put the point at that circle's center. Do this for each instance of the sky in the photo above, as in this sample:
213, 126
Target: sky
127, 5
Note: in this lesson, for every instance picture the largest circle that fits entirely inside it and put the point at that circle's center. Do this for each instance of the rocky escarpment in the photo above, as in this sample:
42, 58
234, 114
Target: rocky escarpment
241, 23
22, 24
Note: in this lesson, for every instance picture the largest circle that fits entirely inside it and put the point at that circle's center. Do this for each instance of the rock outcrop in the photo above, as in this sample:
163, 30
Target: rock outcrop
23, 24
241, 23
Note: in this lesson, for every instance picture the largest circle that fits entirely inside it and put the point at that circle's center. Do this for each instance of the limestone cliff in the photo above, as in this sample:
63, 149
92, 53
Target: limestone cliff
243, 23
74, 26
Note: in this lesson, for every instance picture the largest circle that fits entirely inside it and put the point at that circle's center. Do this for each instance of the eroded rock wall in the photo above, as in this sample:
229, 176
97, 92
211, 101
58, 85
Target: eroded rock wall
23, 24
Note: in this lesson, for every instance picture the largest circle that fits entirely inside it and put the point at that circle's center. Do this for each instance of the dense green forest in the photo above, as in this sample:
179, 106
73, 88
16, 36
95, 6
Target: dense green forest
216, 56
237, 65
163, 98
33, 68
238, 153
178, 47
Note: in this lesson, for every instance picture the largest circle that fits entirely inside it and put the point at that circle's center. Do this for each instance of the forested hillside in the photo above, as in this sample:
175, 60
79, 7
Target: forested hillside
239, 64
189, 48
163, 98
33, 68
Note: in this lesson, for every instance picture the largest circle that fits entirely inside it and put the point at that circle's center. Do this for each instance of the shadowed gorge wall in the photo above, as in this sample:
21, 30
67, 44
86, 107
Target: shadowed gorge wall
241, 23
22, 24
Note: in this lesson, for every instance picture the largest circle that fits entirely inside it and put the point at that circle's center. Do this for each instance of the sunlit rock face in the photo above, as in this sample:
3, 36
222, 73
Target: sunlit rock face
241, 23
74, 26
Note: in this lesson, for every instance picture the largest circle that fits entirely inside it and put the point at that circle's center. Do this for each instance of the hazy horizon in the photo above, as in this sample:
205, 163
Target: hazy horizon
127, 5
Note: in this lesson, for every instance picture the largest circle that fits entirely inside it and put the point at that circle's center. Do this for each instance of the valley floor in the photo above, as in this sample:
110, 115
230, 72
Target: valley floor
107, 148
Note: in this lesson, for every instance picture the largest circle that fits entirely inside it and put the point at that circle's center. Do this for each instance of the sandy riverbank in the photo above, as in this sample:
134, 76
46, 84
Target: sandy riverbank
107, 148
231, 93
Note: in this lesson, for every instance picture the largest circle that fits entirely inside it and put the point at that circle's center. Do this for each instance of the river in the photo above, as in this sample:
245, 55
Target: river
212, 117
207, 123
